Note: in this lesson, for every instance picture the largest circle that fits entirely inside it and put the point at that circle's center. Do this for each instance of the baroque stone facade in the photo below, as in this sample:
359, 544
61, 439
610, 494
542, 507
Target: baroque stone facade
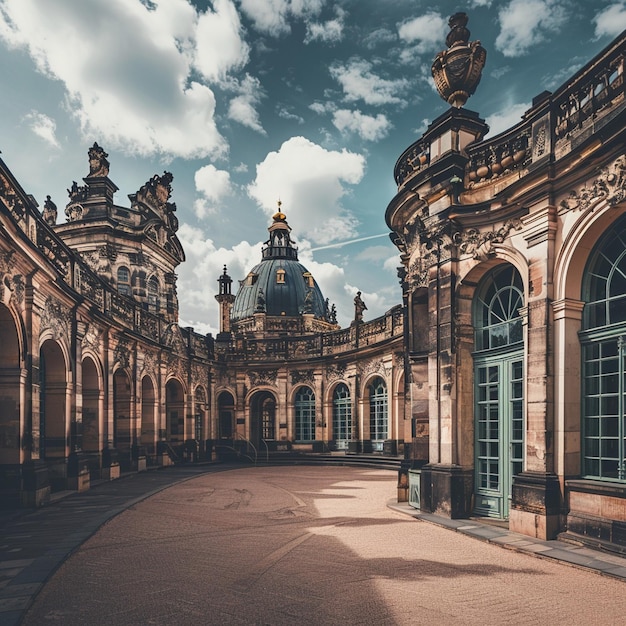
513, 260
98, 378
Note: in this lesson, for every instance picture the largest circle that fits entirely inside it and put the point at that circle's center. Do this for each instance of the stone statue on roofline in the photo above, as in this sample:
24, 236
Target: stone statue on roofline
359, 307
98, 163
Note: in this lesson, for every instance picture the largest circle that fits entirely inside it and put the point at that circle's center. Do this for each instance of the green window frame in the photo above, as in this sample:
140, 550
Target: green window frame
379, 421
342, 413
603, 351
304, 406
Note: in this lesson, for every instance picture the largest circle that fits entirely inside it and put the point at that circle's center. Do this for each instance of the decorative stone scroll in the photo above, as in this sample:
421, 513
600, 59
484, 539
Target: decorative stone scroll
262, 377
302, 376
480, 244
57, 318
336, 372
609, 186
11, 284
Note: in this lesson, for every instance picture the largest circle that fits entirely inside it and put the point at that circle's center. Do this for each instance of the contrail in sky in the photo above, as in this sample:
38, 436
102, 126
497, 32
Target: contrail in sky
345, 243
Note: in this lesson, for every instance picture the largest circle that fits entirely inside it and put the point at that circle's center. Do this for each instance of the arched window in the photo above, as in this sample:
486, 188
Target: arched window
342, 416
378, 411
603, 343
153, 294
280, 276
123, 281
497, 319
268, 419
305, 414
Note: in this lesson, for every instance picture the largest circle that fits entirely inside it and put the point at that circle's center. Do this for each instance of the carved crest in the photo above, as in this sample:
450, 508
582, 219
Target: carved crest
302, 376
262, 377
57, 318
610, 185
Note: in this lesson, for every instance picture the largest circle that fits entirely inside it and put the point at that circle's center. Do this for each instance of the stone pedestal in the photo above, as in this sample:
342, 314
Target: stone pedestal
35, 490
446, 490
78, 472
536, 505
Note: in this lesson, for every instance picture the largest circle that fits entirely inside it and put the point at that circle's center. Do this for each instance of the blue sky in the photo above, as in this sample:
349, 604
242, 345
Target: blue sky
249, 101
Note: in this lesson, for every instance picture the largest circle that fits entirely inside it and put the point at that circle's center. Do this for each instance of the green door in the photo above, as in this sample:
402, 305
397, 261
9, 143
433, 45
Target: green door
499, 431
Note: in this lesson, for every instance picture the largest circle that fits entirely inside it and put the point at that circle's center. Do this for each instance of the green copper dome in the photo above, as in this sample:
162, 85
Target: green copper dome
279, 285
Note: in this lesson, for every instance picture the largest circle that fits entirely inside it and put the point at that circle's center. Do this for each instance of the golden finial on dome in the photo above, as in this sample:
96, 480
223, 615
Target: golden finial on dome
279, 216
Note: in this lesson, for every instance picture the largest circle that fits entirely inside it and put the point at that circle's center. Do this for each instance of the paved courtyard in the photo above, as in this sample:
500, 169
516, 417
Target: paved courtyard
307, 545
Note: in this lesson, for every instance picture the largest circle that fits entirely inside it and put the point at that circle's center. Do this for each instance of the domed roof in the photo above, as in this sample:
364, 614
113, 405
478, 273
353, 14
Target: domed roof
279, 285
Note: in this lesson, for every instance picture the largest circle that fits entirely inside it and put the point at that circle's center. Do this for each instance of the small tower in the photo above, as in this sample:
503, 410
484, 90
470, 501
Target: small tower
226, 299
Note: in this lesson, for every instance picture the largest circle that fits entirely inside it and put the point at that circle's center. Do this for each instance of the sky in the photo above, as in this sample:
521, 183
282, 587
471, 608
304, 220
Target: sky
248, 102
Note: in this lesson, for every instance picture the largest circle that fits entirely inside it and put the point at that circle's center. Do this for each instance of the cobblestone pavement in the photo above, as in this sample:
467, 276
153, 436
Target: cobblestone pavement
312, 545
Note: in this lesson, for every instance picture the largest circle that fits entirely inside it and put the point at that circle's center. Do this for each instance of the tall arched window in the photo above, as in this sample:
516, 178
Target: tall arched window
268, 419
378, 412
123, 281
342, 416
498, 389
153, 294
603, 343
305, 414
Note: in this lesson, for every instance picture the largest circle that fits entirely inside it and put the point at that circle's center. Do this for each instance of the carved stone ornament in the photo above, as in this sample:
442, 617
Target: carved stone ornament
150, 364
98, 164
335, 372
12, 200
91, 339
173, 339
480, 244
176, 366
457, 71
155, 194
609, 186
199, 375
11, 285
122, 355
372, 367
57, 318
302, 376
262, 377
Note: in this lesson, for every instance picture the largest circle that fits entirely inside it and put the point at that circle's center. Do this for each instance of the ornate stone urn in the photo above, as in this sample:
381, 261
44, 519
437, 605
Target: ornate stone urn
457, 70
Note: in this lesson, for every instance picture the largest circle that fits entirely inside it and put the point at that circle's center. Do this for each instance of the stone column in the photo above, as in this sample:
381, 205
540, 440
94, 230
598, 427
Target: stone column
536, 497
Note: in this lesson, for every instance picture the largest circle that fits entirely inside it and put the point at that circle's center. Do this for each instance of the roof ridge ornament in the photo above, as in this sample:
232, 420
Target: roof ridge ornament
457, 71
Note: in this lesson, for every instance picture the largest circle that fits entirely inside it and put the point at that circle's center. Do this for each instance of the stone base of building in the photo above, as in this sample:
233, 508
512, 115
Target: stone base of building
35, 484
536, 505
446, 490
596, 514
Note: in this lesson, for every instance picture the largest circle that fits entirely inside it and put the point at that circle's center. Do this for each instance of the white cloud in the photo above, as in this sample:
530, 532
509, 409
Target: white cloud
197, 277
525, 23
213, 185
366, 126
220, 45
611, 21
505, 119
329, 32
243, 109
272, 16
360, 83
310, 181
43, 126
426, 32
126, 69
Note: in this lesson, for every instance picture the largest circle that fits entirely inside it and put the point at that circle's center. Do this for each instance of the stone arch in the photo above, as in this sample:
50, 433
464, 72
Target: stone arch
175, 410
149, 431
225, 414
92, 405
11, 409
124, 434
263, 420
54, 422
